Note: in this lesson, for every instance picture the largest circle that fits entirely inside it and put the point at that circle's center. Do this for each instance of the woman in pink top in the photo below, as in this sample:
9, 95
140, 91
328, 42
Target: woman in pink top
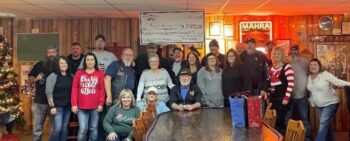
88, 97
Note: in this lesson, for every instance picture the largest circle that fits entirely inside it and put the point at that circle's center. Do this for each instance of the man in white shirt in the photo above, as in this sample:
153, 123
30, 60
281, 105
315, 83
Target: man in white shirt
104, 58
299, 101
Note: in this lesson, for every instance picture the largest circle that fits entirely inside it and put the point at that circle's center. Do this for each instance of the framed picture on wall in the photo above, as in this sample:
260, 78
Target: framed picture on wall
284, 43
345, 28
228, 30
334, 58
215, 29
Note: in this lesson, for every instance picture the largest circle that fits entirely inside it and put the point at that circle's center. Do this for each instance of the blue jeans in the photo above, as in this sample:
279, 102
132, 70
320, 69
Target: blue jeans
40, 112
326, 114
88, 119
60, 124
301, 108
101, 131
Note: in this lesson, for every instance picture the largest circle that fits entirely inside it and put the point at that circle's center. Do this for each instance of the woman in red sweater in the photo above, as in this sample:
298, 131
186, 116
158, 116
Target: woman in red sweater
282, 83
88, 97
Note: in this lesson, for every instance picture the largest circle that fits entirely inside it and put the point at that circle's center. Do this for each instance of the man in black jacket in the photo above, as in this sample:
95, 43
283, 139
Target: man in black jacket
185, 96
256, 64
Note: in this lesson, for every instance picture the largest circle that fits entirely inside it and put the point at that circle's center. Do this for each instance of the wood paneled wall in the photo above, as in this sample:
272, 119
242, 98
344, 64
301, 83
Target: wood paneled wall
286, 27
125, 32
70, 30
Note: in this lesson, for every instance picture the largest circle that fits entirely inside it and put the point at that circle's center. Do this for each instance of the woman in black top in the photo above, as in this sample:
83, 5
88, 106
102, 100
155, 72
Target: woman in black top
58, 92
193, 64
234, 77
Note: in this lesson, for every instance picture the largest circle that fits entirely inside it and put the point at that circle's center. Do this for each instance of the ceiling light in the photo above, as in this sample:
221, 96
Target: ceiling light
3, 14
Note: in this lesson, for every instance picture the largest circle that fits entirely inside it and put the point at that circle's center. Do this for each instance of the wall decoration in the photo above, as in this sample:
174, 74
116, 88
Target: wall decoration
284, 43
215, 29
345, 28
25, 69
325, 23
261, 31
333, 58
228, 30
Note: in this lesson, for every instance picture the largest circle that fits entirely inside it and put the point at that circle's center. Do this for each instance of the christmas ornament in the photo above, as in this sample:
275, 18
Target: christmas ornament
10, 75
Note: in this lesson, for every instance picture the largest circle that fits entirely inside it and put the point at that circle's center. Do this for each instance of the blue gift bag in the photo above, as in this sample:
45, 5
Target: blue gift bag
238, 111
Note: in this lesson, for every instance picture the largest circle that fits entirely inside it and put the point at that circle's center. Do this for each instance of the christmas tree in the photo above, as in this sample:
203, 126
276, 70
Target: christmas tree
9, 88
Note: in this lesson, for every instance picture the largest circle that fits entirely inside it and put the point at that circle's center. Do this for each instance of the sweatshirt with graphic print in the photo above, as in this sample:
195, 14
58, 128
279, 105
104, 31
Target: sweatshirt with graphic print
88, 90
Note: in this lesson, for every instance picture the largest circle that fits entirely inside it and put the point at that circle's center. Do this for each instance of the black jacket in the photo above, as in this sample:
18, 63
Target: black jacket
235, 79
193, 96
262, 69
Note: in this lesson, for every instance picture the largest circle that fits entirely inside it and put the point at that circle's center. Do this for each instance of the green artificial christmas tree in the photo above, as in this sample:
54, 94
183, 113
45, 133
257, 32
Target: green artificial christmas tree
9, 88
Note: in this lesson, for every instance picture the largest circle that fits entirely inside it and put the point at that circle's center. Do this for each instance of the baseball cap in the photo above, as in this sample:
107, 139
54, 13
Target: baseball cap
98, 36
150, 89
185, 71
296, 47
250, 40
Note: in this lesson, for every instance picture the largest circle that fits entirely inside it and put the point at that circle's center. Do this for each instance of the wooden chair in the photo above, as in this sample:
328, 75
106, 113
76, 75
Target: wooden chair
270, 116
139, 129
147, 118
295, 131
152, 108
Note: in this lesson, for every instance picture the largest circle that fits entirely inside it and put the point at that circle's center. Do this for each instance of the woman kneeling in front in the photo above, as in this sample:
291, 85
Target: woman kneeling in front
119, 119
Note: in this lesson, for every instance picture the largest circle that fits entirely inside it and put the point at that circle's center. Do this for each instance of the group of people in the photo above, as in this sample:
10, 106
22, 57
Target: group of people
107, 94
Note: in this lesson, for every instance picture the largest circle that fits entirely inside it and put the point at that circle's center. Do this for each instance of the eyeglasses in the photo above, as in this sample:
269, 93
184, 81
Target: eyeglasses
152, 93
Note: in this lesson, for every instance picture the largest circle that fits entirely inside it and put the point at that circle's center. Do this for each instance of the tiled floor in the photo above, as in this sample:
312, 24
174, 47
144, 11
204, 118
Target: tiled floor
340, 136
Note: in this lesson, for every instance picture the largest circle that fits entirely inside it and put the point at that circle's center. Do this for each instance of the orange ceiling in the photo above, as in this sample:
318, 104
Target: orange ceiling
130, 8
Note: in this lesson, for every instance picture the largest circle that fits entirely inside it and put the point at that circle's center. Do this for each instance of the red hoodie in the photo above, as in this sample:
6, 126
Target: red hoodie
88, 91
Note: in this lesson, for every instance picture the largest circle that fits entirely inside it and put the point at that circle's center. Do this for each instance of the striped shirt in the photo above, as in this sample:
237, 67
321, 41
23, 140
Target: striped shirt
275, 75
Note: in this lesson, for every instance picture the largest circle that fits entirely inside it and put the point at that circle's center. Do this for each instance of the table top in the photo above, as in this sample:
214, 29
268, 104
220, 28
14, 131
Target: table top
205, 125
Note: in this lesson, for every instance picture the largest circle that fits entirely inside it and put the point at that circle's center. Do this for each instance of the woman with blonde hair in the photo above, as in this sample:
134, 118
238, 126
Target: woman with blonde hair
281, 83
119, 119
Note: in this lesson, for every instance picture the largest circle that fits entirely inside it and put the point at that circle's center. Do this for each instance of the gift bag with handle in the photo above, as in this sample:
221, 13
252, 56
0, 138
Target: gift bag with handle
254, 108
238, 111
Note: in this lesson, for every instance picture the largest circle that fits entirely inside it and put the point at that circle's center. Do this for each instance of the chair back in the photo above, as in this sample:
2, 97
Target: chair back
270, 117
152, 108
295, 131
139, 129
147, 118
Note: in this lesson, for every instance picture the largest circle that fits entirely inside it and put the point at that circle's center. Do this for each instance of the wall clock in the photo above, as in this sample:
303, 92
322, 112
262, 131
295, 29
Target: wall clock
325, 23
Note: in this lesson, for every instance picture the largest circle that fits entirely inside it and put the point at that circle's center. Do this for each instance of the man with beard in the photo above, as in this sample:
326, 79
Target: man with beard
185, 96
38, 75
120, 75
256, 63
299, 101
75, 58
177, 63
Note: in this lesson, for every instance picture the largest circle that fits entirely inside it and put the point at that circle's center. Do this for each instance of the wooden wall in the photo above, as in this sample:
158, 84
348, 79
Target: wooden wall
125, 32
122, 31
286, 27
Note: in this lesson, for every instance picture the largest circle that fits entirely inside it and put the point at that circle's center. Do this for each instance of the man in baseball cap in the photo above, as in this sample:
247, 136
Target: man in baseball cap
185, 96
